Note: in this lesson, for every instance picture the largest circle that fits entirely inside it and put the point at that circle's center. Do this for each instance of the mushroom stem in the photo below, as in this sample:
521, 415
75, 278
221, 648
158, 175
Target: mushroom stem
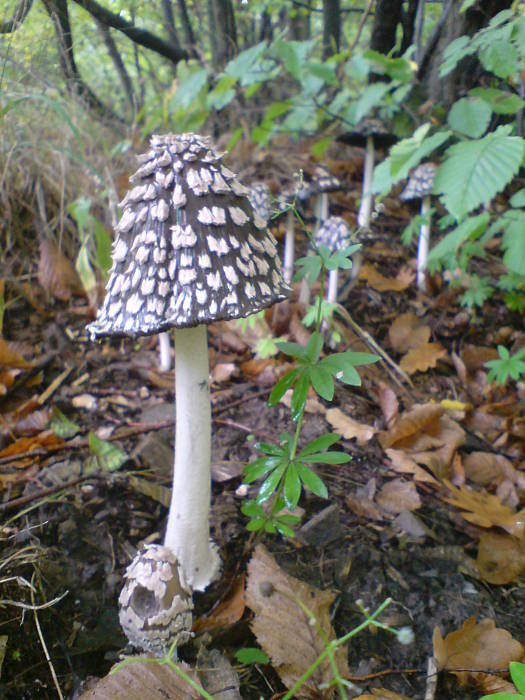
322, 210
289, 248
164, 352
423, 245
331, 294
188, 531
365, 209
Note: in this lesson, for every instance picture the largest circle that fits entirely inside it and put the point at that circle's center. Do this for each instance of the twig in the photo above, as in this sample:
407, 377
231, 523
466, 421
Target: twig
361, 25
244, 428
41, 637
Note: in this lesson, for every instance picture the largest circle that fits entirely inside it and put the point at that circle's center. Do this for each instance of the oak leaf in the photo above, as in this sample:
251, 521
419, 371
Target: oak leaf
387, 284
408, 332
349, 428
422, 358
501, 558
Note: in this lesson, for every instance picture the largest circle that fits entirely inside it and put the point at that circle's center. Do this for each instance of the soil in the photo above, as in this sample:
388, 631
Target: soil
71, 545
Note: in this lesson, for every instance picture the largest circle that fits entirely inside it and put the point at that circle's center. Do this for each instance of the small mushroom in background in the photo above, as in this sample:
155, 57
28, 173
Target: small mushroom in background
155, 603
335, 235
322, 182
299, 193
419, 186
189, 251
369, 134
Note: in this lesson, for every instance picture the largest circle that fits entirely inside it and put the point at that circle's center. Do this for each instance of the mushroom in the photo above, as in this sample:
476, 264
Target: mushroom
335, 235
370, 134
419, 186
299, 192
322, 182
189, 251
155, 603
164, 352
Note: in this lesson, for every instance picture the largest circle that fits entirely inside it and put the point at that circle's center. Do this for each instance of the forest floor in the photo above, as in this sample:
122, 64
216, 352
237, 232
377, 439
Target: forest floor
388, 528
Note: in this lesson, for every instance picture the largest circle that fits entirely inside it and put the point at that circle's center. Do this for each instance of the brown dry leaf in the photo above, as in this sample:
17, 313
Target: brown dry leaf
483, 468
227, 613
501, 558
56, 274
311, 406
137, 681
386, 284
223, 371
489, 683
46, 441
486, 510
410, 424
349, 428
397, 496
272, 595
10, 358
422, 358
388, 403
402, 463
475, 357
475, 646
408, 332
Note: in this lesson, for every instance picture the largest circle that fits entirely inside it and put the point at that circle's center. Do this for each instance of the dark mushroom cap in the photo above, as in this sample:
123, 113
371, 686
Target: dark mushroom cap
322, 180
334, 234
259, 198
420, 182
189, 249
368, 127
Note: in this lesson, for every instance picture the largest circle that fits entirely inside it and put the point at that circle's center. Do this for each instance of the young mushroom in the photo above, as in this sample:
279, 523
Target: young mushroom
189, 251
419, 186
335, 235
370, 134
322, 182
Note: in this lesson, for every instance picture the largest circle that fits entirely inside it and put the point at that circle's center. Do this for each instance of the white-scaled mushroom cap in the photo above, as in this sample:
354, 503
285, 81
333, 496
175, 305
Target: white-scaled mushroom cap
420, 182
322, 180
334, 234
155, 603
260, 200
189, 248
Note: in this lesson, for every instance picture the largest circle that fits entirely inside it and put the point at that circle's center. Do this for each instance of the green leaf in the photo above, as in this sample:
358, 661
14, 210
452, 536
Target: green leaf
270, 449
466, 4
292, 487
268, 487
470, 116
503, 696
371, 96
518, 199
106, 456
320, 146
61, 425
251, 655
245, 61
314, 346
299, 396
259, 467
470, 229
284, 529
292, 349
282, 387
311, 481
252, 509
517, 673
323, 442
501, 58
255, 524
324, 71
328, 458
474, 171
103, 244
396, 68
193, 80
513, 242
500, 101
322, 382
309, 267
85, 271
454, 53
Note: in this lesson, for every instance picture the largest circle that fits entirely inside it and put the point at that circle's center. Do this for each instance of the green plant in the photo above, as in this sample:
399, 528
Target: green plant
285, 467
507, 366
517, 673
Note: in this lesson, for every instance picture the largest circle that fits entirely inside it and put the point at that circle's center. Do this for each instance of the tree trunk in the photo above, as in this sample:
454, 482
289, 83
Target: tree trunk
167, 11
19, 15
386, 18
408, 19
331, 27
452, 25
186, 23
118, 63
223, 34
298, 23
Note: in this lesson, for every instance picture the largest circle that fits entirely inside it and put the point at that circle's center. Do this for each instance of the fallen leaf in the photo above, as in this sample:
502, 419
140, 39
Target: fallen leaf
397, 496
388, 403
501, 558
311, 406
422, 358
381, 283
402, 463
86, 401
475, 357
489, 683
348, 427
137, 681
227, 613
56, 274
46, 440
408, 332
486, 510
273, 596
476, 646
484, 468
223, 371
11, 358
382, 694
411, 423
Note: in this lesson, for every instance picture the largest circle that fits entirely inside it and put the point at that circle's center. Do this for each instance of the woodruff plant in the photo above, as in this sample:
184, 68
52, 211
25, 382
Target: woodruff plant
286, 467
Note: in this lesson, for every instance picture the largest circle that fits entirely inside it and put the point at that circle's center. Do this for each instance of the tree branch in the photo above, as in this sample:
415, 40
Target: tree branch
19, 15
139, 36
